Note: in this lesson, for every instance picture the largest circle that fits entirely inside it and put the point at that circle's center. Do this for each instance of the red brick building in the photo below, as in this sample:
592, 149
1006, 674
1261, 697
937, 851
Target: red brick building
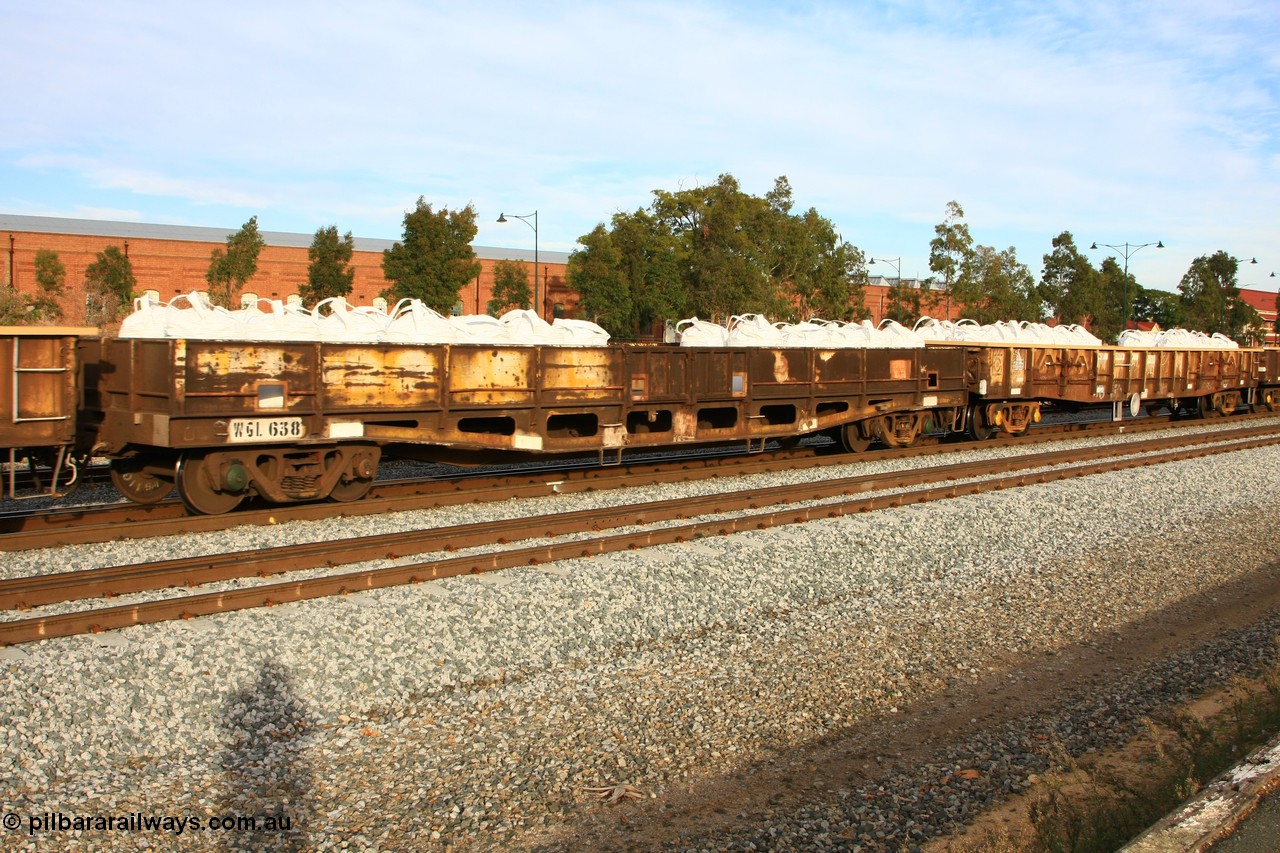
173, 259
1264, 302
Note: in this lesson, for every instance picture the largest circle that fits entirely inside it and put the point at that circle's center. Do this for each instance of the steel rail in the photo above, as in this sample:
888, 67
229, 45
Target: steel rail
39, 590
86, 525
28, 630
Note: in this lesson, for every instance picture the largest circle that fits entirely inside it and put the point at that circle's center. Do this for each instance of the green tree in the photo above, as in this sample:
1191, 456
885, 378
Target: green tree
435, 260
1211, 297
728, 268
1005, 288
817, 273
596, 273
715, 251
1158, 306
15, 307
329, 273
1109, 307
109, 284
992, 285
951, 256
903, 302
51, 278
231, 269
510, 288
1069, 283
654, 269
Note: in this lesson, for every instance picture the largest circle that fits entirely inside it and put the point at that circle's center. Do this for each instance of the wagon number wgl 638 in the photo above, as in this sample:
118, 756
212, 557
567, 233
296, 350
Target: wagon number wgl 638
265, 429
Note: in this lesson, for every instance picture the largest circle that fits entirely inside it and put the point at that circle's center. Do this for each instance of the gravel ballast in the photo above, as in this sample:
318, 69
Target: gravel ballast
473, 712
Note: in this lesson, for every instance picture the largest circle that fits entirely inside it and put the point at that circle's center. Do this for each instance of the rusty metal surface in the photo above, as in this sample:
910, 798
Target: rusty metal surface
182, 394
27, 630
533, 399
1108, 374
39, 385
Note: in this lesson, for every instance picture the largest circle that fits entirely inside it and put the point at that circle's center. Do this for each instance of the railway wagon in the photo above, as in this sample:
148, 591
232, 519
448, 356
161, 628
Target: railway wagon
292, 421
1009, 382
40, 397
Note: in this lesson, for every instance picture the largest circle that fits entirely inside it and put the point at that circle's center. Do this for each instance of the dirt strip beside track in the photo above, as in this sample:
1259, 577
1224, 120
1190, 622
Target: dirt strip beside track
1026, 689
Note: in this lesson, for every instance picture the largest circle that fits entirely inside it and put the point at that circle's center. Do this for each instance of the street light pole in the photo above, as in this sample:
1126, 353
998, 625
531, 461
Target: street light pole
502, 217
1128, 250
897, 266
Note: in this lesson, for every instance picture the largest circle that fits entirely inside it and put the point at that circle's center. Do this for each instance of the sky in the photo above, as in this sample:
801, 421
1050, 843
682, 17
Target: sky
1123, 123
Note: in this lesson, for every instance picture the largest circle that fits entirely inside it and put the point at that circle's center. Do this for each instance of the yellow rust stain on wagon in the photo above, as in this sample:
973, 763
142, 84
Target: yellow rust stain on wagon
248, 360
493, 376
579, 368
395, 376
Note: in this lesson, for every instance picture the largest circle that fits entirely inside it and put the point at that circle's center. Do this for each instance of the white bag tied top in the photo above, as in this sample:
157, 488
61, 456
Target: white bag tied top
754, 330
194, 316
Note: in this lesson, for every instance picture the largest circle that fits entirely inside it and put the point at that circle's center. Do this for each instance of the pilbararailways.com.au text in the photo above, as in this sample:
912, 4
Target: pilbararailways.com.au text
49, 822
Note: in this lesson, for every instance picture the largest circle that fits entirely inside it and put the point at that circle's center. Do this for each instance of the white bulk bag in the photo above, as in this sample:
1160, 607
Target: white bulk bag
701, 333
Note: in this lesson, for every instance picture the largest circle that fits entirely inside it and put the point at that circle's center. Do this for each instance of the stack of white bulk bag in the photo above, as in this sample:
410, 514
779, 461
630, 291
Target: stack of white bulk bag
1138, 338
523, 326
185, 316
752, 330
815, 333
1005, 332
193, 316
1178, 338
147, 319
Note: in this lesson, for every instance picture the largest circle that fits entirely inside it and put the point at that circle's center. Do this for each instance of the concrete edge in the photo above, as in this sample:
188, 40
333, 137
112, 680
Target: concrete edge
1214, 812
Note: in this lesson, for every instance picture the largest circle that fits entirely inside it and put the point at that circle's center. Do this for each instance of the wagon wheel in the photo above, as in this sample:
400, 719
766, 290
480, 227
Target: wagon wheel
138, 484
979, 428
196, 487
1204, 405
350, 490
852, 440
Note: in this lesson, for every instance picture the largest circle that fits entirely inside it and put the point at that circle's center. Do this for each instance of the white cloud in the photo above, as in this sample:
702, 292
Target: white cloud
1119, 121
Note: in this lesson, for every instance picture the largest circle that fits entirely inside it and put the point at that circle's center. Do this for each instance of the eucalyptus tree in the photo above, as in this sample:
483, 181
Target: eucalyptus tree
714, 251
1157, 306
1070, 286
1211, 297
723, 234
951, 256
1004, 287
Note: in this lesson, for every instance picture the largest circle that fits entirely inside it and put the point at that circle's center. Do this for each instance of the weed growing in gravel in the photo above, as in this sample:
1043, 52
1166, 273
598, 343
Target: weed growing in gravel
1102, 806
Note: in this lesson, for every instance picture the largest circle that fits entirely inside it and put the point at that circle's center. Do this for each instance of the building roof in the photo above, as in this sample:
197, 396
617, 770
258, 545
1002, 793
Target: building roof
1262, 300
203, 234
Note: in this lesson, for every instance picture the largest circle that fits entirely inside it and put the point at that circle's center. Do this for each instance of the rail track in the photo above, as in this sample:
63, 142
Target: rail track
634, 526
24, 530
